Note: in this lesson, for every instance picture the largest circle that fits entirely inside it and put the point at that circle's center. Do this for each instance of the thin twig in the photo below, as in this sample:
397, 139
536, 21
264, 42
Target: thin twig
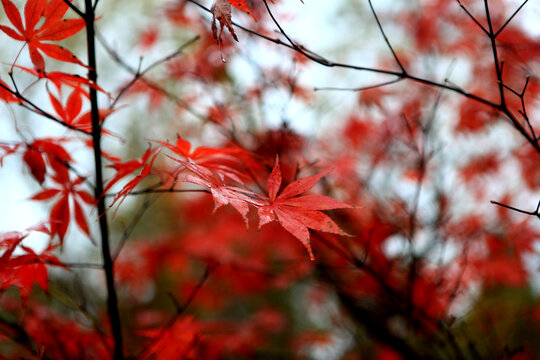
500, 107
29, 105
532, 213
496, 63
180, 309
83, 265
358, 88
327, 63
472, 17
386, 38
140, 73
118, 59
510, 18
152, 190
129, 229
74, 8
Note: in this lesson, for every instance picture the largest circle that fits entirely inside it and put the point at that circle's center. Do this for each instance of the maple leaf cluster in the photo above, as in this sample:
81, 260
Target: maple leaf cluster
215, 168
54, 28
24, 270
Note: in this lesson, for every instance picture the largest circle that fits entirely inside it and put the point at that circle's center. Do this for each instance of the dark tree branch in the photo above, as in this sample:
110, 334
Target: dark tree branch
140, 73
472, 17
108, 266
359, 88
496, 62
74, 8
29, 105
532, 213
83, 265
500, 107
510, 19
163, 191
385, 38
327, 63
129, 229
137, 75
16, 333
180, 309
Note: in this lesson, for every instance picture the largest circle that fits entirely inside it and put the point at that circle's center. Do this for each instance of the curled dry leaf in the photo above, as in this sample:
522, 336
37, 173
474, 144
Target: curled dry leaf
221, 11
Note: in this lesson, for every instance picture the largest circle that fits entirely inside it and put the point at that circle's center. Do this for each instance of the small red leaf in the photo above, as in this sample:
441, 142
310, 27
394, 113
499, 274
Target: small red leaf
46, 194
59, 53
86, 197
242, 5
295, 227
37, 58
53, 29
316, 202
35, 162
60, 217
302, 185
74, 104
55, 10
60, 30
11, 33
13, 15
274, 181
33, 10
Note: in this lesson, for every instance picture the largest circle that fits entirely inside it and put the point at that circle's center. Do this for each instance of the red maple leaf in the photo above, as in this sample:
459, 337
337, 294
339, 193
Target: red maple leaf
34, 159
59, 78
223, 161
48, 149
177, 341
242, 5
8, 150
223, 194
125, 168
26, 269
298, 213
54, 28
71, 112
60, 213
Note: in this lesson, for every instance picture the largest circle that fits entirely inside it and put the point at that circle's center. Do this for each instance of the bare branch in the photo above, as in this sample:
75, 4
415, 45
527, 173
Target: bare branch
510, 18
386, 38
139, 75
74, 8
532, 213
359, 88
29, 105
472, 17
84, 265
180, 309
